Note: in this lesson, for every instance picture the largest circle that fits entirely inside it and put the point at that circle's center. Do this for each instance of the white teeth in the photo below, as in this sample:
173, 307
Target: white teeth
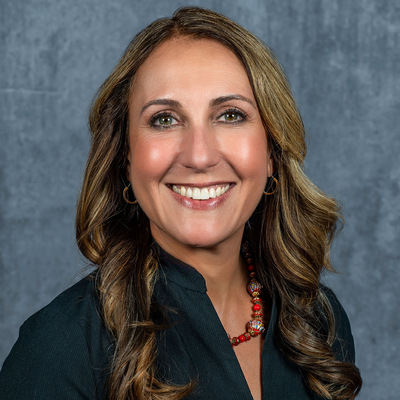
204, 194
196, 194
200, 194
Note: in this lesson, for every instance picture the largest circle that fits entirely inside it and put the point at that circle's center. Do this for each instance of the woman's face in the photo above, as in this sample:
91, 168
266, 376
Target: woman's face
199, 158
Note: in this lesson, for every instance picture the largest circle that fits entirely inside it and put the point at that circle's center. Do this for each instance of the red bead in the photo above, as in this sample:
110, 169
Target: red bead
247, 336
235, 341
250, 267
254, 287
256, 307
256, 300
241, 338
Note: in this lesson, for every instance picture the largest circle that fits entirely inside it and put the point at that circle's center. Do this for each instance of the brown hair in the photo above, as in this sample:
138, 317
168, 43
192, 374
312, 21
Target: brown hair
292, 237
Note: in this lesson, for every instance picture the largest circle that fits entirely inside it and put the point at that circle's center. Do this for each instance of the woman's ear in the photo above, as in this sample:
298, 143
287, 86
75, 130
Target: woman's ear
128, 167
270, 165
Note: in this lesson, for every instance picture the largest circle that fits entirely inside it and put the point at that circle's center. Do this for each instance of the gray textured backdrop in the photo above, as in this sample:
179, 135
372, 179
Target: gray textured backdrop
343, 61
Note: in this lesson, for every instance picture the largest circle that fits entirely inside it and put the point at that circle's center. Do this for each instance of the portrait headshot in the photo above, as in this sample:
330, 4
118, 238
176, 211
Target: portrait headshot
199, 200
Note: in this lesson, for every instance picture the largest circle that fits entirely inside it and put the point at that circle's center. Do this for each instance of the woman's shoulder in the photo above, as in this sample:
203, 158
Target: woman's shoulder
72, 306
76, 308
343, 345
62, 351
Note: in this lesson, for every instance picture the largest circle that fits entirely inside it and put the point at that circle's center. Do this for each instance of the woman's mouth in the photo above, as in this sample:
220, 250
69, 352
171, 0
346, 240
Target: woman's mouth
203, 193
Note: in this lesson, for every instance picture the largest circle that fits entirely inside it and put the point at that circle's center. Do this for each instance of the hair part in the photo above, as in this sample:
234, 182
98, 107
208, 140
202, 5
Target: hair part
292, 238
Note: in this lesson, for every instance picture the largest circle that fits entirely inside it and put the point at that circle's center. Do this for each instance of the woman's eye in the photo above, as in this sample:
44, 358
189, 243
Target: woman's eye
231, 117
163, 121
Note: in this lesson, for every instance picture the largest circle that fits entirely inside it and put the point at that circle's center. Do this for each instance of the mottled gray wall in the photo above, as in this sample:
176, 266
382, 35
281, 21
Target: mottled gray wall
343, 61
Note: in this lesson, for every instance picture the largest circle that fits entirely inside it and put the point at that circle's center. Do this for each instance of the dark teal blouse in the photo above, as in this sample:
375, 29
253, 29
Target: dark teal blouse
64, 351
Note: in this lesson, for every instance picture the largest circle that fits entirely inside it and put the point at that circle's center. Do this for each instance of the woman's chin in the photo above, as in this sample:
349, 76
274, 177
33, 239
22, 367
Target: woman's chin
195, 239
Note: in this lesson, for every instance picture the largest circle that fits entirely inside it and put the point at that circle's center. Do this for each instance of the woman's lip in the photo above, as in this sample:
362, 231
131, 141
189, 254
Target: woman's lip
200, 185
205, 205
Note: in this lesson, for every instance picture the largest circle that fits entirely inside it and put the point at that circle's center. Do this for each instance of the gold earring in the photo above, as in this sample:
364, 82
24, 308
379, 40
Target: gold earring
125, 195
275, 189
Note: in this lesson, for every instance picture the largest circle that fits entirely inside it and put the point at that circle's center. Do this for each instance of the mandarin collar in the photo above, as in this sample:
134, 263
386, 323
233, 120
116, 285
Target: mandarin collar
179, 272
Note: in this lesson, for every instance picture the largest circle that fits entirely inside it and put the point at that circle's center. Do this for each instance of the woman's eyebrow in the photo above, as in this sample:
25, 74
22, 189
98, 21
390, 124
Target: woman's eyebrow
162, 102
224, 99
213, 103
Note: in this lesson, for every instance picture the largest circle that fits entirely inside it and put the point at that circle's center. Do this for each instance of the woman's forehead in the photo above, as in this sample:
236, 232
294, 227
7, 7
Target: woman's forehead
187, 67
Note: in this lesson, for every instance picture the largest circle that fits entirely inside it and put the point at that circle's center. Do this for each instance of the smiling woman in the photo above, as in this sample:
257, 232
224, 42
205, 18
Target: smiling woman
213, 142
207, 238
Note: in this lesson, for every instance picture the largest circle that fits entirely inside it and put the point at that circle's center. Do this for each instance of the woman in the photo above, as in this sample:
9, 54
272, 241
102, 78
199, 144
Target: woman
193, 188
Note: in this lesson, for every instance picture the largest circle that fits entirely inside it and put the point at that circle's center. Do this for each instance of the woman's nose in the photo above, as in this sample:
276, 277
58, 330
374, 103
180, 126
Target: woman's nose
200, 149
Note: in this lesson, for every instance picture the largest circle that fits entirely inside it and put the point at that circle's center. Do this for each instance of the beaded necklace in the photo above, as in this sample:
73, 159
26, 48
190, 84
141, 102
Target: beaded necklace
255, 326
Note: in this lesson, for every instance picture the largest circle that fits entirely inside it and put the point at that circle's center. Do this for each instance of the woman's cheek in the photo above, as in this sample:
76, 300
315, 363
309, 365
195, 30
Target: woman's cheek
152, 157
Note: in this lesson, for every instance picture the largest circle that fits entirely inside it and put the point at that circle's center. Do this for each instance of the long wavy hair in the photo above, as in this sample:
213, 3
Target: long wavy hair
290, 231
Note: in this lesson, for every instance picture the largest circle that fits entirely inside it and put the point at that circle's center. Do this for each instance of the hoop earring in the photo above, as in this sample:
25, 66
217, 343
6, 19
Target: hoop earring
125, 195
275, 189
